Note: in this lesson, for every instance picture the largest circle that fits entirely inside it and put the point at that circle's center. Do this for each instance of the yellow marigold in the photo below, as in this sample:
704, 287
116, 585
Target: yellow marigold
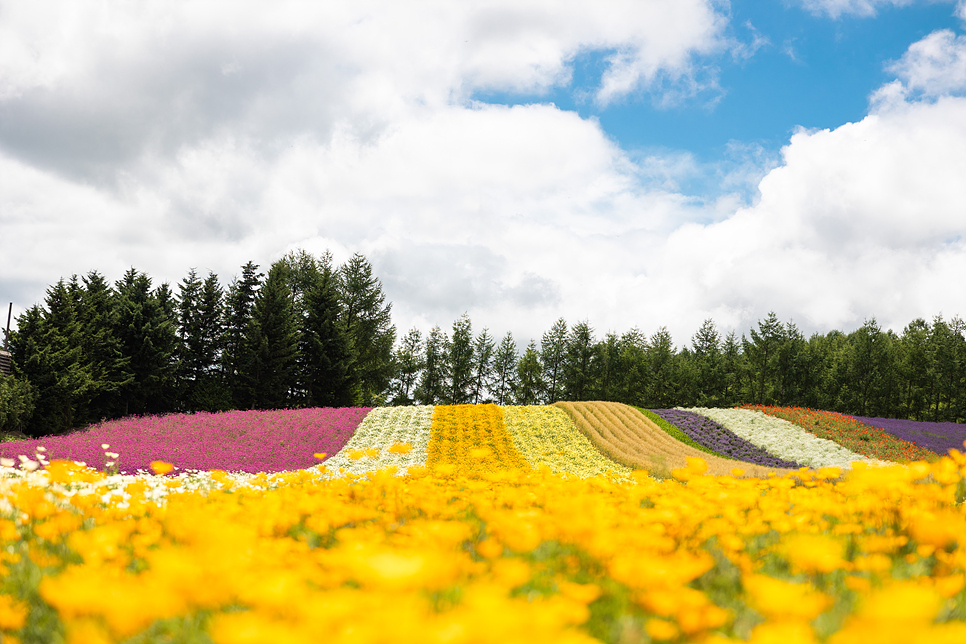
661, 630
161, 468
775, 598
400, 448
783, 632
814, 553
13, 613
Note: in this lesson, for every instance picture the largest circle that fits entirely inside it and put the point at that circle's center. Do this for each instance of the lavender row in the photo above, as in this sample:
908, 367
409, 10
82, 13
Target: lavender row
237, 441
937, 437
710, 434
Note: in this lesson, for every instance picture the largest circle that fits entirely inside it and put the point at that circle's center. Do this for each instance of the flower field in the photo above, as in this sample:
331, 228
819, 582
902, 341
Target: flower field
388, 437
240, 441
853, 434
491, 525
627, 436
721, 439
546, 436
938, 438
782, 438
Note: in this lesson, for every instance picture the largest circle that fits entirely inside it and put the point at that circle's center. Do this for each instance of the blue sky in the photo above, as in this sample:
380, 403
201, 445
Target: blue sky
631, 163
807, 70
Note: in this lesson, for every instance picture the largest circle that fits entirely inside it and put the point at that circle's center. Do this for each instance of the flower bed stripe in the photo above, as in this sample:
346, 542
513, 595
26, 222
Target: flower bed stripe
238, 441
936, 437
471, 440
629, 437
782, 438
547, 436
371, 447
850, 433
722, 440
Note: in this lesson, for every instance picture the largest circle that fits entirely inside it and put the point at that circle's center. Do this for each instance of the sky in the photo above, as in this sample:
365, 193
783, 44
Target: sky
635, 164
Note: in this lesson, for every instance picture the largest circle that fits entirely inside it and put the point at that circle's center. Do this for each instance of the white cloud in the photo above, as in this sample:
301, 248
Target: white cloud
862, 8
863, 220
166, 136
934, 66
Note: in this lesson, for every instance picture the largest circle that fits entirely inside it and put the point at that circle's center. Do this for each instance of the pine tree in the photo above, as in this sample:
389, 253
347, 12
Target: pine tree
505, 370
325, 357
199, 310
272, 341
663, 372
432, 386
580, 362
236, 358
147, 333
709, 384
368, 321
483, 348
461, 362
553, 348
408, 363
530, 385
110, 368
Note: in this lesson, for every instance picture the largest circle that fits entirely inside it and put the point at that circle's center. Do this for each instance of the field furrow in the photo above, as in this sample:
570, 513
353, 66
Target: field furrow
630, 438
547, 436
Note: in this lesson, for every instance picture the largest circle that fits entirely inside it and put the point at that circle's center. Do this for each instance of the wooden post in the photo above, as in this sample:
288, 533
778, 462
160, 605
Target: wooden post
6, 334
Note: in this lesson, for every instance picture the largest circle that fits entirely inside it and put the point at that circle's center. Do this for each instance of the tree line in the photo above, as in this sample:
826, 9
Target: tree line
308, 333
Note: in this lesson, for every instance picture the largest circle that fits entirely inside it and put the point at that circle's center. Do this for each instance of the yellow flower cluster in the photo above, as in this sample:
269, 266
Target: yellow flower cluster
479, 548
546, 436
471, 440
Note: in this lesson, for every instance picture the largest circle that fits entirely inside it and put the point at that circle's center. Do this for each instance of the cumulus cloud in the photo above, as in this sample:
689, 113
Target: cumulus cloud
858, 221
173, 135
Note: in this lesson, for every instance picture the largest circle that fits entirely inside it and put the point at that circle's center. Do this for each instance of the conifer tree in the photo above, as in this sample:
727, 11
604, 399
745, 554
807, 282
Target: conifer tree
505, 370
236, 358
325, 357
146, 330
483, 348
461, 362
272, 342
110, 368
368, 321
553, 348
580, 362
408, 362
530, 385
432, 386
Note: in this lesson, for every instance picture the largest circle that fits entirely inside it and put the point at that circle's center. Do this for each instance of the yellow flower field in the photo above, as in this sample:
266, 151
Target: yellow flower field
479, 547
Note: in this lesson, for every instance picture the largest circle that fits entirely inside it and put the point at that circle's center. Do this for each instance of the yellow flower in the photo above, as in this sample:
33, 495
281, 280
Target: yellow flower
13, 613
814, 553
661, 630
161, 468
775, 598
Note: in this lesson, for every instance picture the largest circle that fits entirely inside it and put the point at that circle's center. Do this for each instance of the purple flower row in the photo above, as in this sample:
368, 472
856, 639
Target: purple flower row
721, 440
937, 437
238, 441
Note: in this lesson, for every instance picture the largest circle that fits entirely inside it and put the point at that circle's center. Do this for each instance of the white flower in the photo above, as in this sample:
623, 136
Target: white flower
104, 445
7, 462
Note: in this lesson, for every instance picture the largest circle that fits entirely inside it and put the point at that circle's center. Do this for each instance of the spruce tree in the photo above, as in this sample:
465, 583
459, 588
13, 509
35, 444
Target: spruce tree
325, 369
146, 330
272, 341
461, 362
408, 362
553, 348
530, 385
368, 321
580, 362
505, 370
110, 368
432, 386
236, 358
483, 348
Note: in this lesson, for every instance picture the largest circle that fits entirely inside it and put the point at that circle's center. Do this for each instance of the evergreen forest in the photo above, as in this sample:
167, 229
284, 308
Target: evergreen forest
307, 333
